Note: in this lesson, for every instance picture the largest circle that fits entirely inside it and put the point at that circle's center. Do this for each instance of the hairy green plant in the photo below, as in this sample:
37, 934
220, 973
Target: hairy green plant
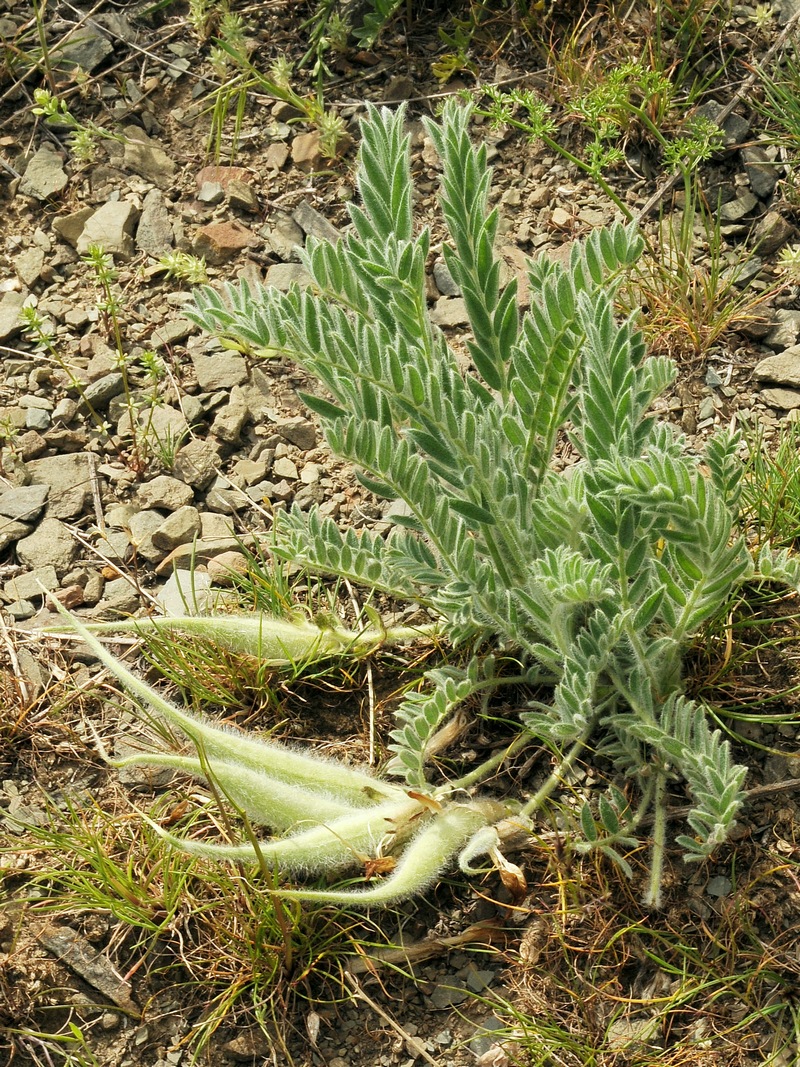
184, 266
596, 579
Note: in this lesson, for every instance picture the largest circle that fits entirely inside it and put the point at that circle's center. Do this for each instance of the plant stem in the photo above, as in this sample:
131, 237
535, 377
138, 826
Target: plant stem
557, 777
652, 897
481, 772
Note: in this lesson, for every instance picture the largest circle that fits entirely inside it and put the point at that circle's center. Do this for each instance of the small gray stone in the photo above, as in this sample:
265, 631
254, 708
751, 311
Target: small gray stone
218, 370
249, 471
230, 420
24, 503
450, 311
20, 610
284, 468
242, 196
136, 776
165, 493
284, 237
111, 227
314, 224
28, 266
166, 427
50, 543
154, 233
736, 210
120, 599
762, 172
187, 592
772, 232
69, 480
783, 369
10, 307
196, 462
45, 175
225, 501
37, 419
444, 279
735, 128
783, 399
222, 569
142, 527
171, 333
11, 531
28, 586
70, 227
786, 330
85, 48
211, 193
284, 275
180, 528
146, 158
97, 395
719, 886
299, 431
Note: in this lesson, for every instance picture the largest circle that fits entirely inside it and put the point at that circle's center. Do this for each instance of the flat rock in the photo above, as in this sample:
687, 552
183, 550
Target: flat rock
111, 227
69, 480
220, 242
165, 493
154, 234
52, 544
221, 175
218, 370
10, 307
284, 275
736, 210
187, 593
230, 420
86, 48
785, 331
70, 227
450, 311
45, 175
197, 461
306, 151
28, 266
445, 283
79, 956
243, 196
783, 399
171, 333
315, 224
179, 528
97, 395
299, 432
11, 531
24, 503
284, 236
28, 586
772, 232
146, 158
782, 369
762, 172
141, 528
224, 568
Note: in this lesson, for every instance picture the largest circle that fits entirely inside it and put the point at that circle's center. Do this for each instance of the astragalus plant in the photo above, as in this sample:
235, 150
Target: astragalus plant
595, 579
